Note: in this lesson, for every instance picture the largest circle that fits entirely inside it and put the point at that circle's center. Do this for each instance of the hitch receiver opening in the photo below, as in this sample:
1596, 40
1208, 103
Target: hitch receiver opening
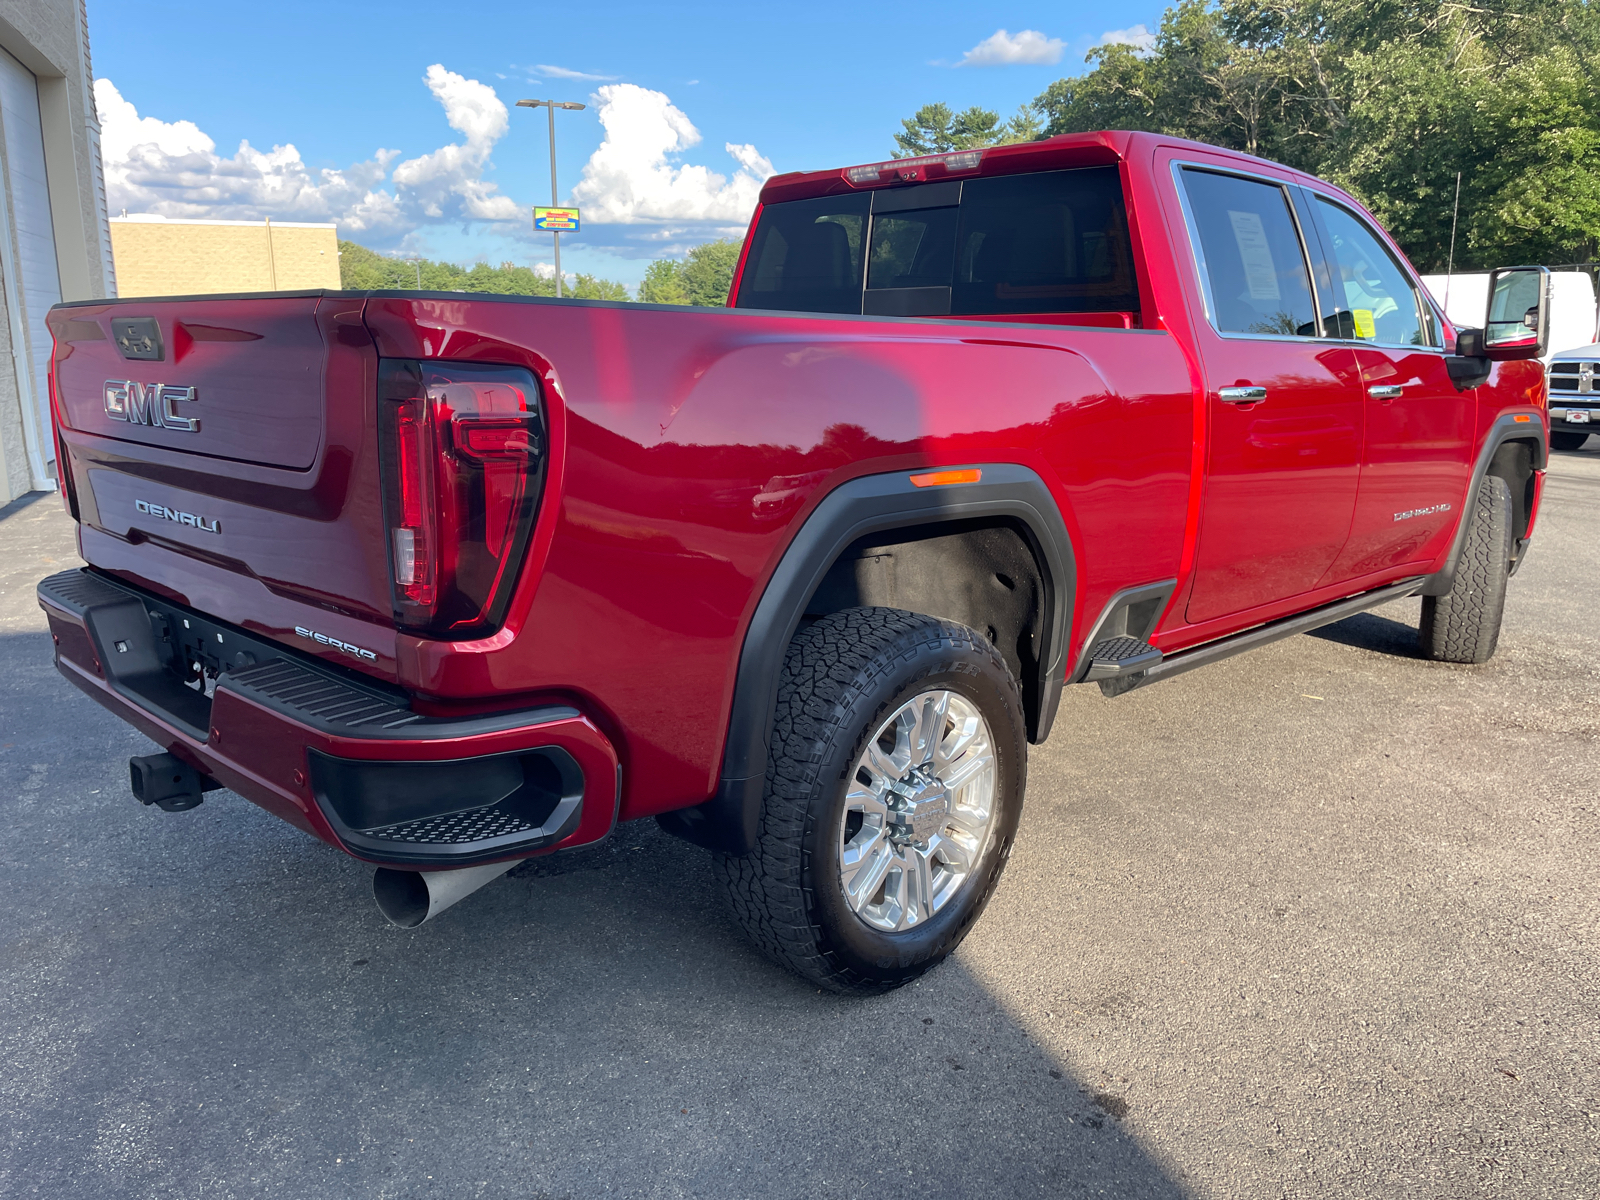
168, 782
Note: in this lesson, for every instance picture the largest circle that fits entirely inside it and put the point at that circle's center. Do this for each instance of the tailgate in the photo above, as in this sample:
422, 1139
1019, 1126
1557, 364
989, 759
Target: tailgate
230, 379
217, 439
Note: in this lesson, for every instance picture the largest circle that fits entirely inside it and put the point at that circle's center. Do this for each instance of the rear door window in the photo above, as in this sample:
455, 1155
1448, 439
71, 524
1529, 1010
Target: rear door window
807, 256
1250, 256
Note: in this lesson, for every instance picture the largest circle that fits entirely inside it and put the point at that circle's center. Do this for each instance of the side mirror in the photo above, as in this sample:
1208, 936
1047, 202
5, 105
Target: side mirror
1518, 323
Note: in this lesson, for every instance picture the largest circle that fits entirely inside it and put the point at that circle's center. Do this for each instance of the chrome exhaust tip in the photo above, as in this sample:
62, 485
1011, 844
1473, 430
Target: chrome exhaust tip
408, 898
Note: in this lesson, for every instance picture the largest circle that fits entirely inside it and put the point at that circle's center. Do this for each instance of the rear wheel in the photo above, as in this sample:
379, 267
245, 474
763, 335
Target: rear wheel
1564, 439
1463, 626
894, 783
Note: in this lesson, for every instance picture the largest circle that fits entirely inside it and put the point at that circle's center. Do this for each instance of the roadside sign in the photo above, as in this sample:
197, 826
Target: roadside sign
555, 220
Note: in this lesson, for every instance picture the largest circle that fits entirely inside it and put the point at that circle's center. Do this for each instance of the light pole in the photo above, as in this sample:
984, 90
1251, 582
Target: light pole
552, 105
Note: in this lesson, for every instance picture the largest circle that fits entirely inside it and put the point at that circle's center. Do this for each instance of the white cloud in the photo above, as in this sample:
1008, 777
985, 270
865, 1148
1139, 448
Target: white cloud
1137, 36
1002, 49
172, 169
452, 176
565, 72
631, 179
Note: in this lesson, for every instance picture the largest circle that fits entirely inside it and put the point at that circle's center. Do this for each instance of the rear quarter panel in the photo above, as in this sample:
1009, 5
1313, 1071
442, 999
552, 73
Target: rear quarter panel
689, 445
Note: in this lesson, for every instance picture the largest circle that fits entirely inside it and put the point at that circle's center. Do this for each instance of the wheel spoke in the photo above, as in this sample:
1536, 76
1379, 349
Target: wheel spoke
918, 888
954, 855
866, 801
881, 764
968, 822
964, 772
927, 730
960, 739
861, 882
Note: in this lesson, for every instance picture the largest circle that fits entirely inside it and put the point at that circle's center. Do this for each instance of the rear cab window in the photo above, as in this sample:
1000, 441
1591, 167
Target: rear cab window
1050, 242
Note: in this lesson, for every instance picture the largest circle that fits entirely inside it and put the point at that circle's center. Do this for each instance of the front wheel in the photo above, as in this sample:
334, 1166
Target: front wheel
1463, 625
1563, 439
894, 783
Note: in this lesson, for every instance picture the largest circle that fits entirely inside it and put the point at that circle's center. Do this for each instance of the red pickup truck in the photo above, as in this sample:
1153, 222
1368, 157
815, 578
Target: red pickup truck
451, 580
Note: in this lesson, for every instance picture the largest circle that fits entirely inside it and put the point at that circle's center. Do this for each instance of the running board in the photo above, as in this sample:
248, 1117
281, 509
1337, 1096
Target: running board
1199, 656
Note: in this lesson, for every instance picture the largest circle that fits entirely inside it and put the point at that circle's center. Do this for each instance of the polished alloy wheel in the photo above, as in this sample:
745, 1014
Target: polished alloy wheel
918, 812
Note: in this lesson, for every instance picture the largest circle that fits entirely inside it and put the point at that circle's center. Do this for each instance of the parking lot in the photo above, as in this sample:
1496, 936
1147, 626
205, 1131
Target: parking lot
1318, 921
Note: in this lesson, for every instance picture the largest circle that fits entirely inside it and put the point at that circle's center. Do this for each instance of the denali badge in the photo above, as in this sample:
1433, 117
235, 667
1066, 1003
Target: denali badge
336, 643
1421, 512
161, 511
149, 404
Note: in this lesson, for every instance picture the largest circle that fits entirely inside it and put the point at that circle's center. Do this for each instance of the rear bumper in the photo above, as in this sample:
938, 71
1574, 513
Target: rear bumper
344, 761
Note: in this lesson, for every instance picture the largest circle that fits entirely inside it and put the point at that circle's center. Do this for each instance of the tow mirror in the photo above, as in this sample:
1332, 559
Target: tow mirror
1518, 321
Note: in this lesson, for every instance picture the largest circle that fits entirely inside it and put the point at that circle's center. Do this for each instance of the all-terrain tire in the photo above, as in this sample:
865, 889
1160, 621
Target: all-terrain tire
1565, 439
1463, 625
843, 677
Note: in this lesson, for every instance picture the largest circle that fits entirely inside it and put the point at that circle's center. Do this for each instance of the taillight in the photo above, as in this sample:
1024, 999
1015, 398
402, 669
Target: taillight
58, 420
463, 462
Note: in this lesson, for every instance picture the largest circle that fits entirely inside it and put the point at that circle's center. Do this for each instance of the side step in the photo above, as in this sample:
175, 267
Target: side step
1121, 656
1200, 656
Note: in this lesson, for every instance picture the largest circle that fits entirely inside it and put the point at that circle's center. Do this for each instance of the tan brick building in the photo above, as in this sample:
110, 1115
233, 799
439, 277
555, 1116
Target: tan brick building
54, 244
156, 257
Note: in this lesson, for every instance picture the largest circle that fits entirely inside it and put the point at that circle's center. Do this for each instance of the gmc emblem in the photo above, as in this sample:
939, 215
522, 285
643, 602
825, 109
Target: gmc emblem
150, 404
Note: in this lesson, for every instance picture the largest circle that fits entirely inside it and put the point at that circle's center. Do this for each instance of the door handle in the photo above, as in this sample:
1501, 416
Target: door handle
1242, 395
1386, 391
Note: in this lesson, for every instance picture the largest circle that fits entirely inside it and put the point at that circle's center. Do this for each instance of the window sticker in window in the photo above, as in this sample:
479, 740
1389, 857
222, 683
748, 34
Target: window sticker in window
1254, 263
1261, 277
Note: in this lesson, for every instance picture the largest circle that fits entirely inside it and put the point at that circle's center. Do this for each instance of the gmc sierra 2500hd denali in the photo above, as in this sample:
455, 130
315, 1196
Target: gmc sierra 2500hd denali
448, 581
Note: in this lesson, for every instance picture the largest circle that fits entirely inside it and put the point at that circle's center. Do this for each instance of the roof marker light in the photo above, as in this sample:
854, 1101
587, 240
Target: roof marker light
913, 168
942, 478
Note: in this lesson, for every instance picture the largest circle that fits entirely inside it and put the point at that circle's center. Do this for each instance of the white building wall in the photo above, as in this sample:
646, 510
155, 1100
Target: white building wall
54, 237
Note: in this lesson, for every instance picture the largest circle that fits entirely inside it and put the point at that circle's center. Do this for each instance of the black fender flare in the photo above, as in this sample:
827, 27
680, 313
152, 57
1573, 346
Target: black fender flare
1513, 426
729, 821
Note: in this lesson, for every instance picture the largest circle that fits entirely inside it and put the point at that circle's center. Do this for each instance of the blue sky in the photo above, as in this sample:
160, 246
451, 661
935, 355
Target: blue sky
699, 103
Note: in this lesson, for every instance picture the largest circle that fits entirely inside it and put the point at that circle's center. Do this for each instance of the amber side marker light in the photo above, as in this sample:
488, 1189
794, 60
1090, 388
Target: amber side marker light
940, 478
1523, 419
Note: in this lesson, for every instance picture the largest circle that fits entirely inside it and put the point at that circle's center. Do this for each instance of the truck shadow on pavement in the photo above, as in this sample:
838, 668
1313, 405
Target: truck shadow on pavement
1370, 631
210, 1002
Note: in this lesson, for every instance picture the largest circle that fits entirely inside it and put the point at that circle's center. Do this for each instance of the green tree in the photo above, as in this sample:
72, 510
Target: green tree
590, 287
702, 278
934, 129
361, 269
708, 272
663, 283
1388, 98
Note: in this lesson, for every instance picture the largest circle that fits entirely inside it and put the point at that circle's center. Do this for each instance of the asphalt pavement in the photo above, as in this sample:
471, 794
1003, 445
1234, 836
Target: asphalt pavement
1317, 921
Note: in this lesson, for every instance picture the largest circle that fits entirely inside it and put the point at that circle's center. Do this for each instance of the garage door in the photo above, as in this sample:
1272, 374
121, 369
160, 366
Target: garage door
38, 281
